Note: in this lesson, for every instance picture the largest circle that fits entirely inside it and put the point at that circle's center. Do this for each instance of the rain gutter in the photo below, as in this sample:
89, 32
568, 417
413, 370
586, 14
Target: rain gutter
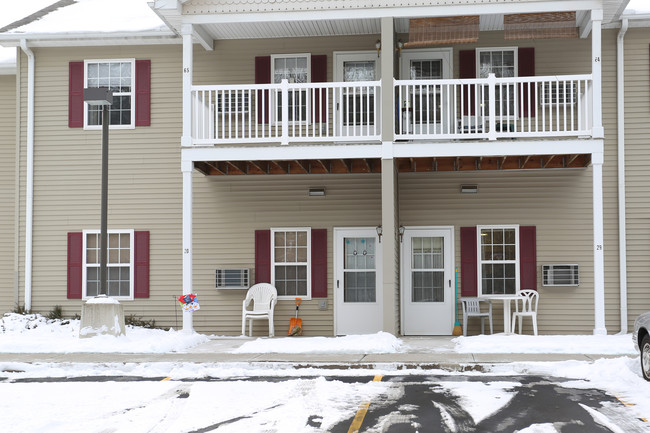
29, 188
620, 126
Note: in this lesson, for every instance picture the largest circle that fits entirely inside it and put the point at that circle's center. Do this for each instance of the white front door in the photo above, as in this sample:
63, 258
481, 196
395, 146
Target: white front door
357, 107
357, 281
428, 285
430, 108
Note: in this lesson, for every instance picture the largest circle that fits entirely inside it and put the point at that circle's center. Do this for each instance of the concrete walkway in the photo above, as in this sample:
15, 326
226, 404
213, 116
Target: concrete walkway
422, 352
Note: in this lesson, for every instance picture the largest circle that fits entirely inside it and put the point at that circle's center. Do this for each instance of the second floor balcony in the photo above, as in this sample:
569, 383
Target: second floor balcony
559, 106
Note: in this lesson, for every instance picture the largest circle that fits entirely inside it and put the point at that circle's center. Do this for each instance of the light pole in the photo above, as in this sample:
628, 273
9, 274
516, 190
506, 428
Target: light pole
102, 96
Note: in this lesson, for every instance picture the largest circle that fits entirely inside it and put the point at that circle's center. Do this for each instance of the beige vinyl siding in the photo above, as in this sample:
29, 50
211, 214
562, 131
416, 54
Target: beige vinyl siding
637, 160
556, 202
144, 178
227, 212
7, 190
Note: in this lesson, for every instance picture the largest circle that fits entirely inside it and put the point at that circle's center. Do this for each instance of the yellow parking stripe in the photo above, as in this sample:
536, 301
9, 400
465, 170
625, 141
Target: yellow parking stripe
361, 413
167, 378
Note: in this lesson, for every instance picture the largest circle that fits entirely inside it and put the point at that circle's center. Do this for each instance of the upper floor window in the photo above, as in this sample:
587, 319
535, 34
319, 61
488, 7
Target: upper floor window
291, 262
119, 76
295, 68
498, 261
502, 62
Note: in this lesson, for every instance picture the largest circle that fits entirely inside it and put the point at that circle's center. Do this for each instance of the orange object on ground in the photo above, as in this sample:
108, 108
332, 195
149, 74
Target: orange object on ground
295, 324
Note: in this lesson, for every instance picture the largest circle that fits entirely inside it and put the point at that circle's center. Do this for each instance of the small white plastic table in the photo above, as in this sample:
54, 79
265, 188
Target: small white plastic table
507, 314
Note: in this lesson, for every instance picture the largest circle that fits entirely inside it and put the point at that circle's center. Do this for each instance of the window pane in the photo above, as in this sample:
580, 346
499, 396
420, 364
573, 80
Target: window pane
359, 287
119, 78
291, 280
498, 261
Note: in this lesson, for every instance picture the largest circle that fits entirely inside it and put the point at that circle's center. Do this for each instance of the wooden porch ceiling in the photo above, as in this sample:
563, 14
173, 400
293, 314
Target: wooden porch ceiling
404, 165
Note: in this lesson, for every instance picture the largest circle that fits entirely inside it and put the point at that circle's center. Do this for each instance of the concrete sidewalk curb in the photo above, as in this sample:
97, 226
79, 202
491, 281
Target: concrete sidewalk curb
447, 361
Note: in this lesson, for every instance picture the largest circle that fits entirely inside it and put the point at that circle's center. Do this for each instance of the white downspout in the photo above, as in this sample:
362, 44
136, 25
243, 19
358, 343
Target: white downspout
620, 123
29, 187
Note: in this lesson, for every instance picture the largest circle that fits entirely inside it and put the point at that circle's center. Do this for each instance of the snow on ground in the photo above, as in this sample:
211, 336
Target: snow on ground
33, 333
140, 406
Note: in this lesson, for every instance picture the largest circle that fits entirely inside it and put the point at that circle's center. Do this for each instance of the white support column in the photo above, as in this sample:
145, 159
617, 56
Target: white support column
187, 167
389, 245
388, 181
596, 72
387, 66
188, 59
599, 256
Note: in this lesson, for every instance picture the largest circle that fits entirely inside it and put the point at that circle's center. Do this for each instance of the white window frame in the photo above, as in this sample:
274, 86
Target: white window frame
272, 114
515, 113
132, 93
480, 261
108, 265
307, 230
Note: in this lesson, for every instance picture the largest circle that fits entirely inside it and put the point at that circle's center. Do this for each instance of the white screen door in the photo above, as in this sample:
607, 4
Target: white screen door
428, 281
357, 280
357, 107
429, 105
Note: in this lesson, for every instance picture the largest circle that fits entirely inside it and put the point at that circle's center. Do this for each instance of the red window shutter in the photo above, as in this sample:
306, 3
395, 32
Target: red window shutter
76, 95
141, 264
526, 66
263, 76
142, 92
75, 265
467, 69
319, 263
468, 264
528, 257
262, 256
319, 75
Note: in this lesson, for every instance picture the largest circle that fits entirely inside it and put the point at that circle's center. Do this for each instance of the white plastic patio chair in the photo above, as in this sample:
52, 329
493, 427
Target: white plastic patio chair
472, 308
526, 306
264, 297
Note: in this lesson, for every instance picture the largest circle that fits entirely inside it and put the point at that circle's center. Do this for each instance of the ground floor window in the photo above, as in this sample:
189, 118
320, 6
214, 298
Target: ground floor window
291, 262
119, 264
498, 259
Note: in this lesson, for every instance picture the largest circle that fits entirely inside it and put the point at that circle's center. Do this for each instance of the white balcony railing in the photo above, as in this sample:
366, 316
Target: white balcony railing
314, 112
490, 108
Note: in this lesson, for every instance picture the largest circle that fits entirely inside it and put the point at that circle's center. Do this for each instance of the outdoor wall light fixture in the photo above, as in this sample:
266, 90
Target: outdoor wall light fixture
469, 189
378, 46
379, 232
398, 47
402, 229
316, 192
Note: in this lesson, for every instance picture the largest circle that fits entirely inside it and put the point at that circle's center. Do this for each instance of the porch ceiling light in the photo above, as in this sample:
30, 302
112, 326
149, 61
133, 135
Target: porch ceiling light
469, 189
316, 192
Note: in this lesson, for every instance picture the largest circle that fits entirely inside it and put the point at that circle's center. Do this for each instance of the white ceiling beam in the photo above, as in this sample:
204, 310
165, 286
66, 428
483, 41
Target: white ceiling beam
203, 37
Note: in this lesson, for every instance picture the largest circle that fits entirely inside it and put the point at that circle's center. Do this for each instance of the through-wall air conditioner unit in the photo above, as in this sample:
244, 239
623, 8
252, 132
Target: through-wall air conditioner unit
232, 278
560, 275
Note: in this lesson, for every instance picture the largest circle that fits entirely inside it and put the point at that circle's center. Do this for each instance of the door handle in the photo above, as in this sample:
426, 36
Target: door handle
449, 283
337, 284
